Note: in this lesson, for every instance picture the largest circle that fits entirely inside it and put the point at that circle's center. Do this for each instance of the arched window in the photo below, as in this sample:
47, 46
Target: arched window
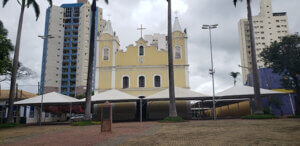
141, 82
157, 81
125, 82
105, 53
141, 51
177, 52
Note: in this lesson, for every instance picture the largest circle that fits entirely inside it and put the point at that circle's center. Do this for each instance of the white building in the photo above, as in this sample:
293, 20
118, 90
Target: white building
65, 57
268, 27
159, 40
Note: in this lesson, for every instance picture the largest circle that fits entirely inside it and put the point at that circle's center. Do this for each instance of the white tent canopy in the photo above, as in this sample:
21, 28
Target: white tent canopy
180, 93
241, 90
112, 96
49, 98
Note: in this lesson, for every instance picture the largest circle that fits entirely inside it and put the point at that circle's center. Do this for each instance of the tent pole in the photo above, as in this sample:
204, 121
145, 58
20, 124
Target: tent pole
293, 110
141, 110
70, 111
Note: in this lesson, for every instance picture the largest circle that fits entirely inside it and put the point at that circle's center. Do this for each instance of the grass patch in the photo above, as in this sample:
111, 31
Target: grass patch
8, 125
294, 117
172, 120
85, 123
260, 117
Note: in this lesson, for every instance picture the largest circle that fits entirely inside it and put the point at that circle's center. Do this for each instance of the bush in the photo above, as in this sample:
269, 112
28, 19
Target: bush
260, 117
85, 123
8, 125
294, 117
172, 119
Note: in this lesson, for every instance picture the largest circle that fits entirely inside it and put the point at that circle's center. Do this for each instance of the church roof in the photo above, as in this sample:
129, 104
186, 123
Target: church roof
176, 26
108, 28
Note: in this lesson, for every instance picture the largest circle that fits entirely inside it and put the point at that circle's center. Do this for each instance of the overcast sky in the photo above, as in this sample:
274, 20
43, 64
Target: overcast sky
127, 15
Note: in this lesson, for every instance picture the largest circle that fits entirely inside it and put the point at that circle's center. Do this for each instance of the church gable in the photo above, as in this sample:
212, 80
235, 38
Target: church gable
141, 55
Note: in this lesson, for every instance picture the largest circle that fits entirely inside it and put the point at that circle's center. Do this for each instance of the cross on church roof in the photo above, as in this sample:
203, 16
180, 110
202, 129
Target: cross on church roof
108, 15
176, 13
141, 28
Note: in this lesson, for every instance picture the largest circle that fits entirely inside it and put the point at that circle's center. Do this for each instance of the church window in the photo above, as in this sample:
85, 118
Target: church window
157, 81
177, 52
106, 54
141, 81
125, 82
141, 51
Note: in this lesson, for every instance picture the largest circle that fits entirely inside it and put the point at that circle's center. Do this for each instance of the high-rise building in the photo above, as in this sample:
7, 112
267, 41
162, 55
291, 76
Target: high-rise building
65, 57
268, 27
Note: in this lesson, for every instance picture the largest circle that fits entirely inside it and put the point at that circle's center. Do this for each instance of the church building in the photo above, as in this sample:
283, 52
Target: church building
141, 69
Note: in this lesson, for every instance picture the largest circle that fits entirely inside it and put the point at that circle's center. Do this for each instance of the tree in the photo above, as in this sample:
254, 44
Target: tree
23, 73
284, 58
172, 104
5, 48
87, 111
256, 107
234, 75
23, 4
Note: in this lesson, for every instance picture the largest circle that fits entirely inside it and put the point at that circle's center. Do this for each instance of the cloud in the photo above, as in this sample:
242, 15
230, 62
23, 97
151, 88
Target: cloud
127, 15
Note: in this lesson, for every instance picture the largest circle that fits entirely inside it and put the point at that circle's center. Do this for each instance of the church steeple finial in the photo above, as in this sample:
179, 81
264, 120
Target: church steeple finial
176, 26
108, 28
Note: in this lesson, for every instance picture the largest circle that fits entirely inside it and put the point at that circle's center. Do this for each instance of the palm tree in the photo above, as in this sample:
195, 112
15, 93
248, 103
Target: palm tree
257, 109
172, 106
234, 75
88, 92
23, 4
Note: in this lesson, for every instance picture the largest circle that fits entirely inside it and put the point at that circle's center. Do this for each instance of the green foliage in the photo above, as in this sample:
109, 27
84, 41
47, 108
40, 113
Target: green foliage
86, 123
267, 111
235, 1
8, 125
294, 117
259, 117
172, 120
81, 96
29, 3
234, 74
284, 58
5, 47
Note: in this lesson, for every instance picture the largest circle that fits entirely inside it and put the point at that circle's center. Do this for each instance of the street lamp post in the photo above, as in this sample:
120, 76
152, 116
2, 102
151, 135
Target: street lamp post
46, 37
41, 110
212, 70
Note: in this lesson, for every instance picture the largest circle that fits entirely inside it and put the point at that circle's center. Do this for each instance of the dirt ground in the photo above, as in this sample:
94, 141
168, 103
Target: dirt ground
225, 132
220, 132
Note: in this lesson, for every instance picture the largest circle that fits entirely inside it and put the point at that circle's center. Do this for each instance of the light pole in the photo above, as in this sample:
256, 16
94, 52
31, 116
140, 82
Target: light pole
212, 70
45, 37
41, 110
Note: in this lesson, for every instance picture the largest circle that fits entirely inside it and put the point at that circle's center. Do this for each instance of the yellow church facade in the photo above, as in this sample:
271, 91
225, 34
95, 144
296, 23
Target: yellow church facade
141, 69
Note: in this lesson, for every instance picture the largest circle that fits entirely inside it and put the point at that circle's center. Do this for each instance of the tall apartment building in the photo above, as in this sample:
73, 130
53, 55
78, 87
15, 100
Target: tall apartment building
65, 57
268, 27
158, 40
